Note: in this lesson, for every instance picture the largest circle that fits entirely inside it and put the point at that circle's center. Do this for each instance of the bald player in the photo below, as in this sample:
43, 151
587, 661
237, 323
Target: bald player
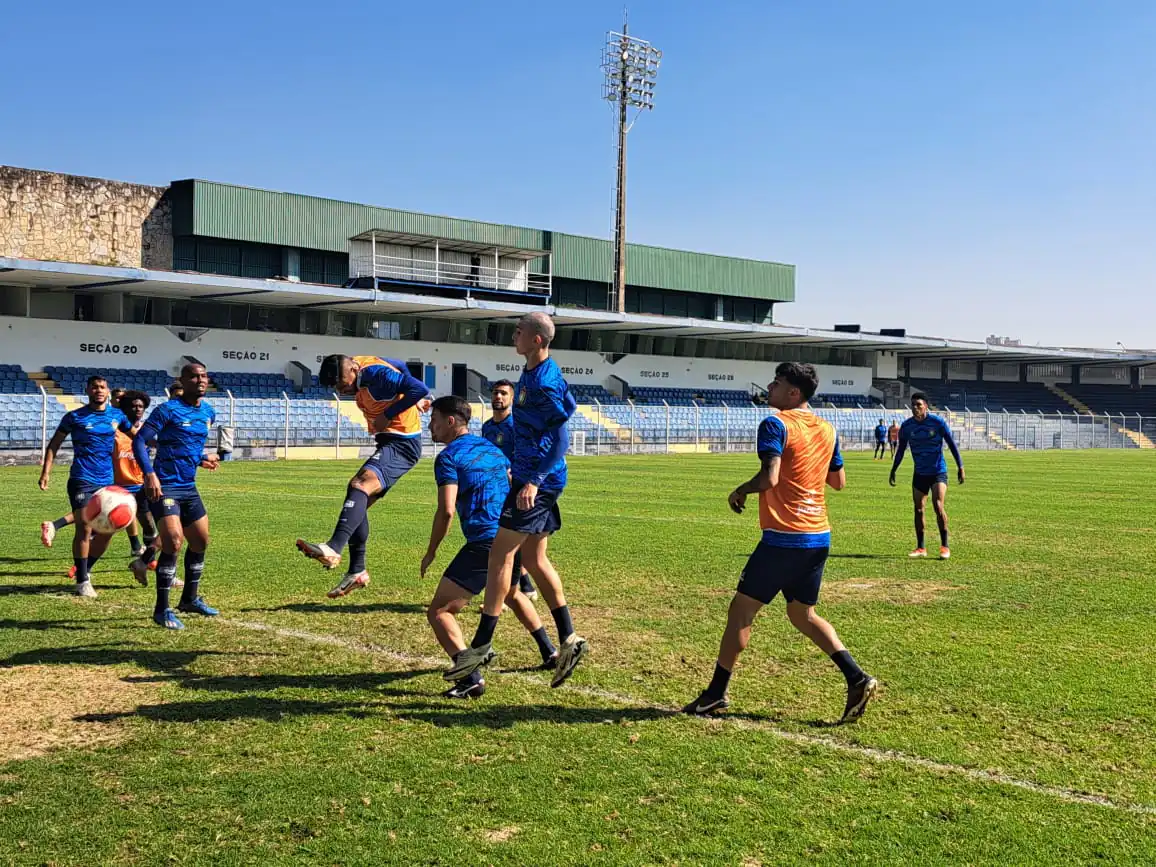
542, 406
388, 397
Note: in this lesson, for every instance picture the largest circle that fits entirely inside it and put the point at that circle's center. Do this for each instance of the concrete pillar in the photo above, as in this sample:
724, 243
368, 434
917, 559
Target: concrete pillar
979, 371
1076, 374
1023, 373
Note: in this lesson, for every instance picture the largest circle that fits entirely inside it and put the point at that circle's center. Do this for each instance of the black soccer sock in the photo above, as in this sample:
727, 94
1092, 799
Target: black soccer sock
133, 544
563, 622
485, 633
357, 545
943, 534
92, 561
545, 645
194, 566
81, 564
919, 537
60, 523
848, 666
718, 683
352, 516
166, 572
524, 583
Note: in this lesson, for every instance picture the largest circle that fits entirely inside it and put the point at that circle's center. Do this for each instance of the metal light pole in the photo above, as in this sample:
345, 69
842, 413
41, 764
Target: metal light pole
631, 68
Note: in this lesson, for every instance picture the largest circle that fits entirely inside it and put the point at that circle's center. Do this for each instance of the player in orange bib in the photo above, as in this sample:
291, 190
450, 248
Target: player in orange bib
391, 400
800, 458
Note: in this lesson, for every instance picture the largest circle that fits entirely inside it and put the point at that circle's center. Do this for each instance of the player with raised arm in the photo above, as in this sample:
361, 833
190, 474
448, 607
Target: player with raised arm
800, 458
542, 406
179, 427
925, 434
389, 398
93, 430
473, 480
499, 429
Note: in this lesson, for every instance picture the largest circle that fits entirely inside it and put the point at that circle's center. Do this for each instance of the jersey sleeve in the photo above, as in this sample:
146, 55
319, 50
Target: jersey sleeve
558, 404
772, 437
445, 471
67, 423
836, 458
212, 414
382, 382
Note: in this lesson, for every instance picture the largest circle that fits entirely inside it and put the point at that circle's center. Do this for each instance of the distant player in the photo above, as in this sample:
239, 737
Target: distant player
542, 406
880, 441
473, 479
800, 457
500, 431
93, 431
388, 396
893, 436
925, 434
179, 427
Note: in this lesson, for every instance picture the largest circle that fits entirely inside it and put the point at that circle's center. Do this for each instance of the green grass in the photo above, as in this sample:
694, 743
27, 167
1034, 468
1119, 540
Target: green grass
1029, 655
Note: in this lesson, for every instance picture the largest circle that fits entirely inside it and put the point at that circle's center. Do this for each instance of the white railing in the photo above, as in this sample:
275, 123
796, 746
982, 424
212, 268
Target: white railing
485, 273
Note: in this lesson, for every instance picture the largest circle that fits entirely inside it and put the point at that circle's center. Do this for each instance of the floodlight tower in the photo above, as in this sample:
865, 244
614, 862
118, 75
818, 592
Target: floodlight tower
631, 68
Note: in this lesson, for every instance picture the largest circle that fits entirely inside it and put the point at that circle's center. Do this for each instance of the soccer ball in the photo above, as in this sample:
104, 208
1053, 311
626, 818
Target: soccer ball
110, 510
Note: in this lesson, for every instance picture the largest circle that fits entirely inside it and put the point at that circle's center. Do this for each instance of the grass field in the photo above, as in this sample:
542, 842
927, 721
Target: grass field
1016, 721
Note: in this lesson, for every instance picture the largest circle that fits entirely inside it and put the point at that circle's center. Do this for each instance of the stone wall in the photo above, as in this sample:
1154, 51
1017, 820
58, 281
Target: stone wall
67, 218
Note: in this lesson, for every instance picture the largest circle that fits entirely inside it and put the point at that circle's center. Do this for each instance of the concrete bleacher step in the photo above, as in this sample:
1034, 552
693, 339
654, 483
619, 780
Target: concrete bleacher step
39, 377
1076, 403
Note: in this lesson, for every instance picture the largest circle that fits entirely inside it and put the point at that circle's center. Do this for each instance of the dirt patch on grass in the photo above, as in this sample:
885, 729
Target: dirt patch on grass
42, 702
501, 835
892, 590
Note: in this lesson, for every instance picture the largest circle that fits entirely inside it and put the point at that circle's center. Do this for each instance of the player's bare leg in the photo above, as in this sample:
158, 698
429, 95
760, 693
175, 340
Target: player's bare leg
736, 636
919, 499
49, 529
939, 503
573, 647
861, 686
363, 490
498, 579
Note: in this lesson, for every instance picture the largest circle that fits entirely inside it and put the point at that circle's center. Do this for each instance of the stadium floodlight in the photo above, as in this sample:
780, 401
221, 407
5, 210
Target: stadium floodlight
631, 70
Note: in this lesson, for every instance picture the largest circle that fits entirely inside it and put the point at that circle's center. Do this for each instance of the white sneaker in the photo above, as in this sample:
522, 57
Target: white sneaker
348, 583
322, 553
47, 534
569, 655
86, 590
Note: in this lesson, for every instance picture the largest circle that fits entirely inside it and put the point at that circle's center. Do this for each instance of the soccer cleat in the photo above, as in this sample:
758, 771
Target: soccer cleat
348, 584
944, 553
198, 606
139, 570
71, 573
86, 590
322, 553
466, 690
569, 655
469, 661
47, 534
858, 694
168, 620
550, 662
918, 552
704, 705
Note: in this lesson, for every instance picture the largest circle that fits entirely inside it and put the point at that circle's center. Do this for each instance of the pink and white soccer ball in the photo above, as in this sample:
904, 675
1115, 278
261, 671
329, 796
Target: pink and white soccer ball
110, 510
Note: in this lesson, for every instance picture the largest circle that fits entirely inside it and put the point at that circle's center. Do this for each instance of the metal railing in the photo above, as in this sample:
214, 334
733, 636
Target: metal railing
485, 273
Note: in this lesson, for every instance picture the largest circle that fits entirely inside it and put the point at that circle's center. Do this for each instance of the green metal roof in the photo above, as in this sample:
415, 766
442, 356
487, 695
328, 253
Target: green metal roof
237, 213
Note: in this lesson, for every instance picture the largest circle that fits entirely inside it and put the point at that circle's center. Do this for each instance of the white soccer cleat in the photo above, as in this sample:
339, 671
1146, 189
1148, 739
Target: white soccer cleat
47, 534
86, 590
348, 583
322, 553
569, 655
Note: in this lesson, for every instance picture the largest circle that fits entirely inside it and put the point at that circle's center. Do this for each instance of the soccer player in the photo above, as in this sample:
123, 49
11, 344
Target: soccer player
880, 442
180, 427
473, 478
893, 436
800, 457
93, 431
542, 406
389, 398
925, 434
500, 431
130, 476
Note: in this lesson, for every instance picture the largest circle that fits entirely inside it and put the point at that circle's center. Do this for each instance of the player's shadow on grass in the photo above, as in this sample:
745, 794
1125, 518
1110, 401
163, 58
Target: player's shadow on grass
26, 559
867, 556
368, 681
503, 716
44, 625
32, 589
342, 608
148, 658
246, 707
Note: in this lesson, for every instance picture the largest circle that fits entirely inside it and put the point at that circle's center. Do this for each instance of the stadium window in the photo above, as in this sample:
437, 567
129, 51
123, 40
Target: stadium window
572, 294
312, 267
336, 269
675, 304
217, 258
185, 254
651, 303
700, 306
260, 261
728, 306
744, 310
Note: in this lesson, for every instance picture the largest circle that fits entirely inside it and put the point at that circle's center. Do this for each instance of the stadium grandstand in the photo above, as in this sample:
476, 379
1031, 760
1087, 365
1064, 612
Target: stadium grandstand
133, 281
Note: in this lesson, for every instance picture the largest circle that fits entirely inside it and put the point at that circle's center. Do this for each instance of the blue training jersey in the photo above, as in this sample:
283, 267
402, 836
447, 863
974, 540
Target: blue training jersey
93, 434
501, 434
926, 440
880, 433
479, 470
542, 406
180, 432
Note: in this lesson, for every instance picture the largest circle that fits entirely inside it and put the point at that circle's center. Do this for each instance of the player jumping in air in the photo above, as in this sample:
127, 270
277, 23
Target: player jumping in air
473, 478
500, 431
179, 427
800, 457
880, 441
388, 397
542, 406
93, 430
926, 434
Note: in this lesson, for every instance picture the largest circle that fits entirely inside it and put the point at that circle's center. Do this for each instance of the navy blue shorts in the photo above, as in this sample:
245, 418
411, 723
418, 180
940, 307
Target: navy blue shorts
185, 502
923, 484
393, 458
543, 519
797, 573
470, 566
80, 493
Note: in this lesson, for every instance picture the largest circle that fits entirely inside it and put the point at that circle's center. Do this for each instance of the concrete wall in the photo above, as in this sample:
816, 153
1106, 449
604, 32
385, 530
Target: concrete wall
66, 218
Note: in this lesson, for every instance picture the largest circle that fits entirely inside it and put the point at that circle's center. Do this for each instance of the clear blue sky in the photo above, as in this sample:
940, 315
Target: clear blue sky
955, 169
